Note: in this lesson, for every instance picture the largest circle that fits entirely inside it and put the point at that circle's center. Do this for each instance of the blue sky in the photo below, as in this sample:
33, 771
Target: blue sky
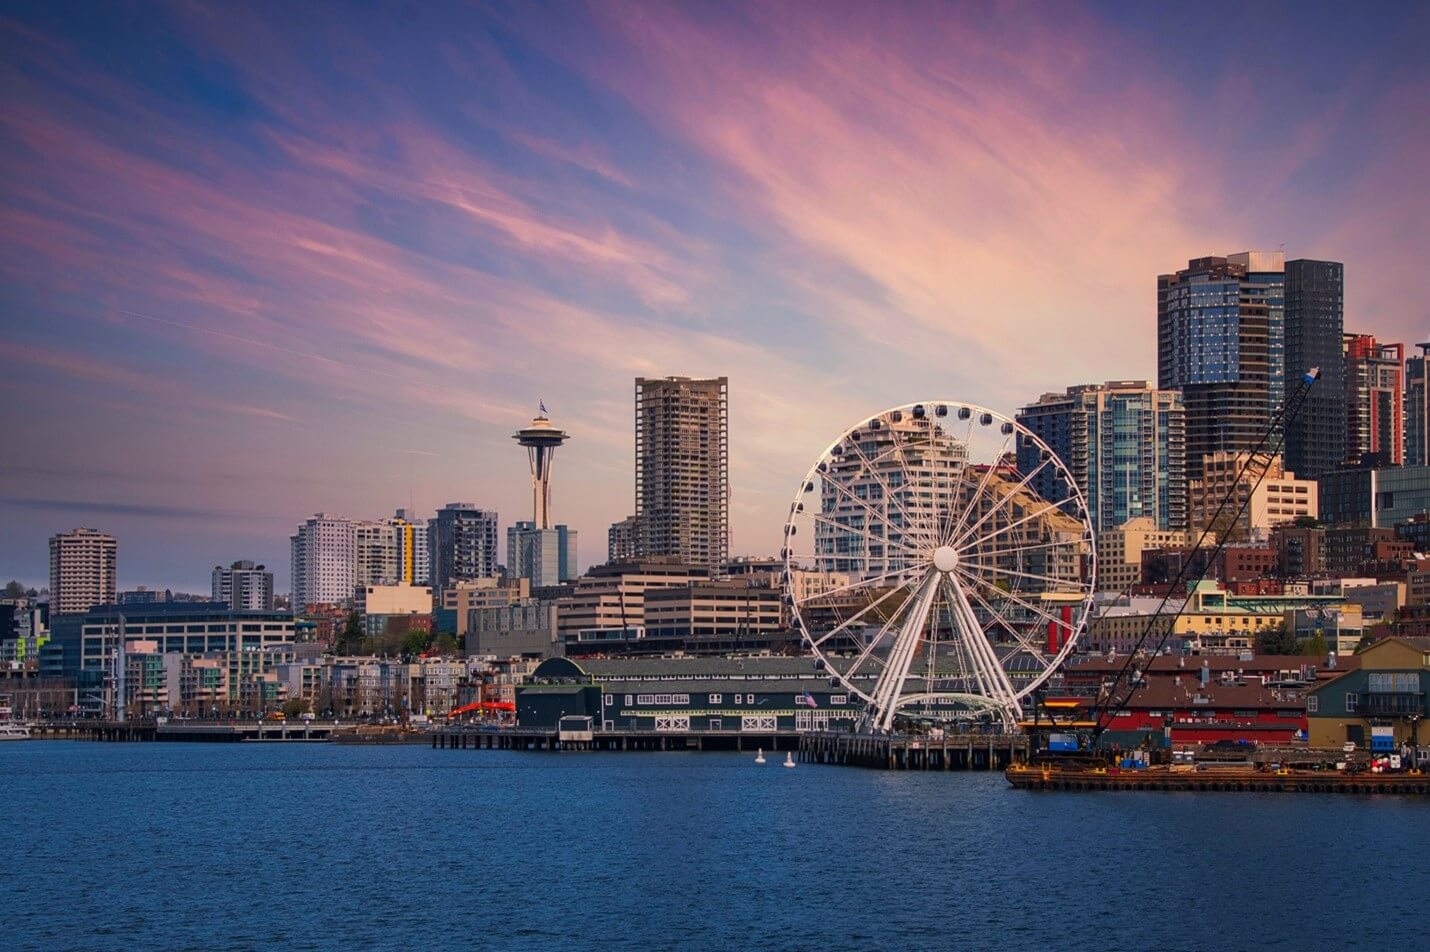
265, 259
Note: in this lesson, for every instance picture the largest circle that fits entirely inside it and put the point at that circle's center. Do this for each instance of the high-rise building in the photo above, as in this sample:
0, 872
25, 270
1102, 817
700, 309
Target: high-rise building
1315, 323
376, 554
1417, 407
545, 556
463, 540
1221, 341
683, 470
1374, 395
324, 561
621, 539
245, 586
414, 560
83, 565
1124, 443
1229, 501
541, 441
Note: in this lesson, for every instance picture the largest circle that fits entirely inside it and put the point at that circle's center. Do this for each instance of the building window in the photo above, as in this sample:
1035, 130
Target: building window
739, 699
1313, 704
716, 699
628, 700
839, 699
1352, 702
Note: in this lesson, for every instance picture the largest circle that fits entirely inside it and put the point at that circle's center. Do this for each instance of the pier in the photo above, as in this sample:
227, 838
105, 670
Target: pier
147, 729
906, 752
550, 739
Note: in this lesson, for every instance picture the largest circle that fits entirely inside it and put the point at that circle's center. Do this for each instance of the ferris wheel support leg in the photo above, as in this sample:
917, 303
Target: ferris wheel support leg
901, 656
990, 671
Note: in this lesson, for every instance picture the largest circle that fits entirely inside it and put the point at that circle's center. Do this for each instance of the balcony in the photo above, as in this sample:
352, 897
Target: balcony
1401, 703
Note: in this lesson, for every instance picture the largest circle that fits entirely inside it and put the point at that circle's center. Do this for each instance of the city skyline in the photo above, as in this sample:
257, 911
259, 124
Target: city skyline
249, 275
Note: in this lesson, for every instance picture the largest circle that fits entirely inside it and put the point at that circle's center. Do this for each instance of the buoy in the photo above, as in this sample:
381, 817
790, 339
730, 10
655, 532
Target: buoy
789, 759
760, 756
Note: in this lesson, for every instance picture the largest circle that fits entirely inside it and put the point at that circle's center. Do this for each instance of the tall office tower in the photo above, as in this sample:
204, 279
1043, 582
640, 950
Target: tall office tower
1125, 444
1375, 412
545, 556
324, 558
621, 539
244, 586
376, 554
83, 564
1221, 341
683, 470
537, 550
1315, 323
463, 540
414, 561
1417, 407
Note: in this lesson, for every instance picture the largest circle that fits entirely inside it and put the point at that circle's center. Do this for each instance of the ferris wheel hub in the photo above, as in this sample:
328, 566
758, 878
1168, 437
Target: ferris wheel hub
945, 558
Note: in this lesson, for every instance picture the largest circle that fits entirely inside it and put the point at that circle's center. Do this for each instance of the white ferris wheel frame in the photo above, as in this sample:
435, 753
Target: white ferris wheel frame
997, 693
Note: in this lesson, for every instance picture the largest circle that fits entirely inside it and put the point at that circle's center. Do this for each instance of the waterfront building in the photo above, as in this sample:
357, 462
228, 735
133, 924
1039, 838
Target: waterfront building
464, 544
243, 586
1375, 416
748, 694
1229, 500
544, 556
324, 561
1123, 442
613, 596
1374, 496
83, 568
683, 470
1220, 341
1377, 706
1417, 407
1315, 323
1119, 551
621, 539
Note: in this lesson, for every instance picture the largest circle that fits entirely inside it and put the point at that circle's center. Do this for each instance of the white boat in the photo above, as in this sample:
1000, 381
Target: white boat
13, 731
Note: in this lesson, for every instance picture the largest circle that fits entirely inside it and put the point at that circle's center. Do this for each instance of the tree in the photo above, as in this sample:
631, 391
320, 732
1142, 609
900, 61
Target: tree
1314, 646
1306, 522
446, 645
295, 706
14, 589
415, 642
1276, 641
350, 641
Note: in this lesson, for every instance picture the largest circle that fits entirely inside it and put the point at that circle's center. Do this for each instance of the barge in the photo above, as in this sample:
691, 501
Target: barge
1221, 778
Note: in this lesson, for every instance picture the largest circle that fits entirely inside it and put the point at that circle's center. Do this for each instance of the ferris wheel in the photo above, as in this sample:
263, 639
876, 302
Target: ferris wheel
939, 561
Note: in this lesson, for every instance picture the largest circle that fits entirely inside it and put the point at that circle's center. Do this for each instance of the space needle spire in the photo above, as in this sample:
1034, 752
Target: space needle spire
541, 440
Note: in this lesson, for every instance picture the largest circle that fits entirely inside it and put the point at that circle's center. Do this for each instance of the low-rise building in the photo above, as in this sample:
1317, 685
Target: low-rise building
1119, 551
1379, 705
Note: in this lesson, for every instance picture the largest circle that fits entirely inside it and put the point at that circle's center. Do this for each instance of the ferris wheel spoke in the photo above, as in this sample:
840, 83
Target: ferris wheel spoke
873, 471
969, 674
1046, 510
971, 506
1051, 580
912, 485
850, 587
882, 517
844, 625
992, 553
998, 685
1010, 596
1028, 645
998, 506
861, 533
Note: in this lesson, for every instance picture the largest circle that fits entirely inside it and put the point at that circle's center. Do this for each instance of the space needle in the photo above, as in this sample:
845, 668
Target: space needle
541, 440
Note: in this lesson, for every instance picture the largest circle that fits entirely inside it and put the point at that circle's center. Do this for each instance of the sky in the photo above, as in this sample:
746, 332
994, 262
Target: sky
260, 260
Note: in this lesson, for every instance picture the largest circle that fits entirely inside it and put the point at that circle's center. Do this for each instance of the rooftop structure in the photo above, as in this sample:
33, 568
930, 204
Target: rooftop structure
541, 440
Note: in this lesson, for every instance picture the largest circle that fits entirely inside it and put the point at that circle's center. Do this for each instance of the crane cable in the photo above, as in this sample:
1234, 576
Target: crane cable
1290, 407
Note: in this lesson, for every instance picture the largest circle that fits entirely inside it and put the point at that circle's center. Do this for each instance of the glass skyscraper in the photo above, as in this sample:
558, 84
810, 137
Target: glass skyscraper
1221, 342
1124, 443
1315, 322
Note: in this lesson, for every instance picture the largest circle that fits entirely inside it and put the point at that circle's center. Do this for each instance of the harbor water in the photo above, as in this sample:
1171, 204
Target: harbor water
259, 846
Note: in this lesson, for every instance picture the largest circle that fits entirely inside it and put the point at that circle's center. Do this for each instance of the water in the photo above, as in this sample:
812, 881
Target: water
249, 846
